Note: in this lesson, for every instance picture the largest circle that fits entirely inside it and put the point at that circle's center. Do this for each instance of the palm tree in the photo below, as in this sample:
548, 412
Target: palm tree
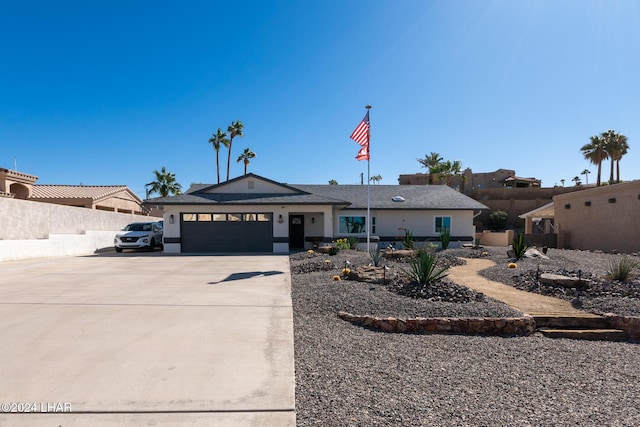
333, 182
586, 173
432, 162
244, 157
448, 170
576, 179
616, 146
376, 179
596, 153
164, 184
217, 140
562, 181
235, 129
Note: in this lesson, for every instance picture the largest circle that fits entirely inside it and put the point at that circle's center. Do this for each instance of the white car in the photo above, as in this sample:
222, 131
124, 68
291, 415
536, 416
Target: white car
139, 235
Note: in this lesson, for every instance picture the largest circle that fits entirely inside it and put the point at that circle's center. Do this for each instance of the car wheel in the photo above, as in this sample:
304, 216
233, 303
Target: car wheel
118, 249
152, 245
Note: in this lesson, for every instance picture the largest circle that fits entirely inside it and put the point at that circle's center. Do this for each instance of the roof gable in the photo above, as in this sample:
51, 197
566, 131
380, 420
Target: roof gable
92, 192
248, 184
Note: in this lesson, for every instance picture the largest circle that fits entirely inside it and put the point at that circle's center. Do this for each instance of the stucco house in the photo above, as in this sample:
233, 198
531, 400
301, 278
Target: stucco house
600, 218
255, 214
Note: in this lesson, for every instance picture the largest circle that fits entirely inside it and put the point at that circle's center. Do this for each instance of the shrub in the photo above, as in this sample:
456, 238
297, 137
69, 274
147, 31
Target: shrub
423, 269
342, 243
445, 237
621, 268
498, 220
333, 250
407, 242
519, 245
353, 242
375, 256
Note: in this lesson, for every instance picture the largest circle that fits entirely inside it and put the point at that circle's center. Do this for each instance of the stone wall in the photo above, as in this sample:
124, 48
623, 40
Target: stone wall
631, 325
521, 326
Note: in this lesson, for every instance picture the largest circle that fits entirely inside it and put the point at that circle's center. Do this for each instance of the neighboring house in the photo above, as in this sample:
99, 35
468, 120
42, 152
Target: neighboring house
255, 214
501, 178
601, 218
113, 198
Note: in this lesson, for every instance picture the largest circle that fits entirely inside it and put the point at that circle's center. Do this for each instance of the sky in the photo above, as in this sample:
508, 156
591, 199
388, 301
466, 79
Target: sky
106, 92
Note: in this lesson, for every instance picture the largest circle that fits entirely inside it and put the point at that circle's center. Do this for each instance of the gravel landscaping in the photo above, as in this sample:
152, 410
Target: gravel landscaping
352, 376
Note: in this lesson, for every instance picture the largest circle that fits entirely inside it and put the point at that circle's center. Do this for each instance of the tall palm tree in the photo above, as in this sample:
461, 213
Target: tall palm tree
164, 184
596, 153
431, 161
616, 146
235, 129
448, 170
576, 179
376, 179
586, 173
244, 157
217, 140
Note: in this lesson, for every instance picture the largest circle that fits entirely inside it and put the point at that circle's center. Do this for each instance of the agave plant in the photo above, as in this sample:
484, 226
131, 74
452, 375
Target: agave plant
445, 237
424, 269
519, 246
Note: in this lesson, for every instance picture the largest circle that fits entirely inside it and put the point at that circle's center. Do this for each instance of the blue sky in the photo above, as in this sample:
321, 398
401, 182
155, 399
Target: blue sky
104, 92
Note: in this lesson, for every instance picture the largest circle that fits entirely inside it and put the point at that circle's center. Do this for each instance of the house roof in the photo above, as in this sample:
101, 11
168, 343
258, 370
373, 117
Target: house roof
546, 211
351, 196
382, 196
94, 192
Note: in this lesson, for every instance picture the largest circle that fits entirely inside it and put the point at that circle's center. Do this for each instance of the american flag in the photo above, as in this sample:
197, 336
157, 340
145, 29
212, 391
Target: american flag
363, 154
361, 134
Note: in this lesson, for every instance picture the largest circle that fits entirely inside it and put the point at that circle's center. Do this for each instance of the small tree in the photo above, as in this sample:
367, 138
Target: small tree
498, 220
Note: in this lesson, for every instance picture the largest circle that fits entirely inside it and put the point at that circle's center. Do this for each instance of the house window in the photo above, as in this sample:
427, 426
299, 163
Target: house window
443, 222
351, 225
373, 225
188, 217
204, 217
220, 217
235, 217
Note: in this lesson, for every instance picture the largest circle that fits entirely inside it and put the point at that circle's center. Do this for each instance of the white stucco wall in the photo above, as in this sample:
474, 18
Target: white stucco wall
33, 229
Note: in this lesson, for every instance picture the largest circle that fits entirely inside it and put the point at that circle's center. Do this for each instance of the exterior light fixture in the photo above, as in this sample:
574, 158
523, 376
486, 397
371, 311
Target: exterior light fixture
313, 220
171, 219
280, 220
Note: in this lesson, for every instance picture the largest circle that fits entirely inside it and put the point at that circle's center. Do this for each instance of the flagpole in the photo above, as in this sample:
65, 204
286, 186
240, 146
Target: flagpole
368, 107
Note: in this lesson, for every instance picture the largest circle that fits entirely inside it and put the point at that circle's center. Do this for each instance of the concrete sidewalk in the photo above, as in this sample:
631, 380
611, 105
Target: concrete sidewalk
147, 339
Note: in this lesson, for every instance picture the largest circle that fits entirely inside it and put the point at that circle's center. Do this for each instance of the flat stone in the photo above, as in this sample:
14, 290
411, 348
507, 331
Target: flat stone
566, 281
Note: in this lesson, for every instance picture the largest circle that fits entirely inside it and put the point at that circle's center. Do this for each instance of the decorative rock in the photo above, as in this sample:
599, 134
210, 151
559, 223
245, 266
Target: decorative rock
323, 249
534, 253
566, 281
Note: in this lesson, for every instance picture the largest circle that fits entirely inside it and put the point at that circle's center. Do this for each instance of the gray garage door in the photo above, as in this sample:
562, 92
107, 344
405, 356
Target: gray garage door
226, 232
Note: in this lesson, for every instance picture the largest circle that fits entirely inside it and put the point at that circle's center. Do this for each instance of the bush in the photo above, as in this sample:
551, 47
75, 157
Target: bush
445, 237
375, 256
407, 242
621, 268
342, 243
353, 242
519, 246
423, 269
498, 220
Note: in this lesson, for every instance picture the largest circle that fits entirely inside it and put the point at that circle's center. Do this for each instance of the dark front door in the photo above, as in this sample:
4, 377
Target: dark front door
296, 231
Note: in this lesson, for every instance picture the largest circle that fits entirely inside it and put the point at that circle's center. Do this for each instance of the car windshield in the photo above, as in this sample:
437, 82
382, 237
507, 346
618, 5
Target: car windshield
138, 227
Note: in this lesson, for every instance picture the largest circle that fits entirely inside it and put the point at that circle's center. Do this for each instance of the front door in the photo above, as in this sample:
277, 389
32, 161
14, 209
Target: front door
296, 231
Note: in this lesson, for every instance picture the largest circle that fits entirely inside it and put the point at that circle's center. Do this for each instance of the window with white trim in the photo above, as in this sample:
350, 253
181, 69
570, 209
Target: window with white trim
442, 222
352, 225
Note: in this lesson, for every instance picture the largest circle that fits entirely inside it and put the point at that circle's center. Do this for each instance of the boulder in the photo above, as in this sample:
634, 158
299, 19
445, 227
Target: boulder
564, 281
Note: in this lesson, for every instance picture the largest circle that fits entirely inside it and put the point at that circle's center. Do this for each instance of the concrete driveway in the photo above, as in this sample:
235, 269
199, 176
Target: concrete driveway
147, 339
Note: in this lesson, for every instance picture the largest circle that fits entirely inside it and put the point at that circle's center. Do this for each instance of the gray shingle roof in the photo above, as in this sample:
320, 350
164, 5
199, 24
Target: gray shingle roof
415, 196
438, 197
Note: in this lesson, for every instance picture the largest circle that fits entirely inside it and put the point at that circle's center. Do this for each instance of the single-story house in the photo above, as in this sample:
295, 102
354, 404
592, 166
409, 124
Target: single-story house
255, 214
599, 218
113, 198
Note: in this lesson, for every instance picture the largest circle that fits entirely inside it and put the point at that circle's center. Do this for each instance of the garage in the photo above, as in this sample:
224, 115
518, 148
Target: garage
226, 232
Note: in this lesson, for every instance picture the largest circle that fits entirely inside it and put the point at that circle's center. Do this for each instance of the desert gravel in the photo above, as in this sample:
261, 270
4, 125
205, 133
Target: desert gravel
347, 375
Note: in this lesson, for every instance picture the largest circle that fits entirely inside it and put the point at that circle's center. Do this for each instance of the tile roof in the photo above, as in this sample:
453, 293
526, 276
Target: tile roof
94, 192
